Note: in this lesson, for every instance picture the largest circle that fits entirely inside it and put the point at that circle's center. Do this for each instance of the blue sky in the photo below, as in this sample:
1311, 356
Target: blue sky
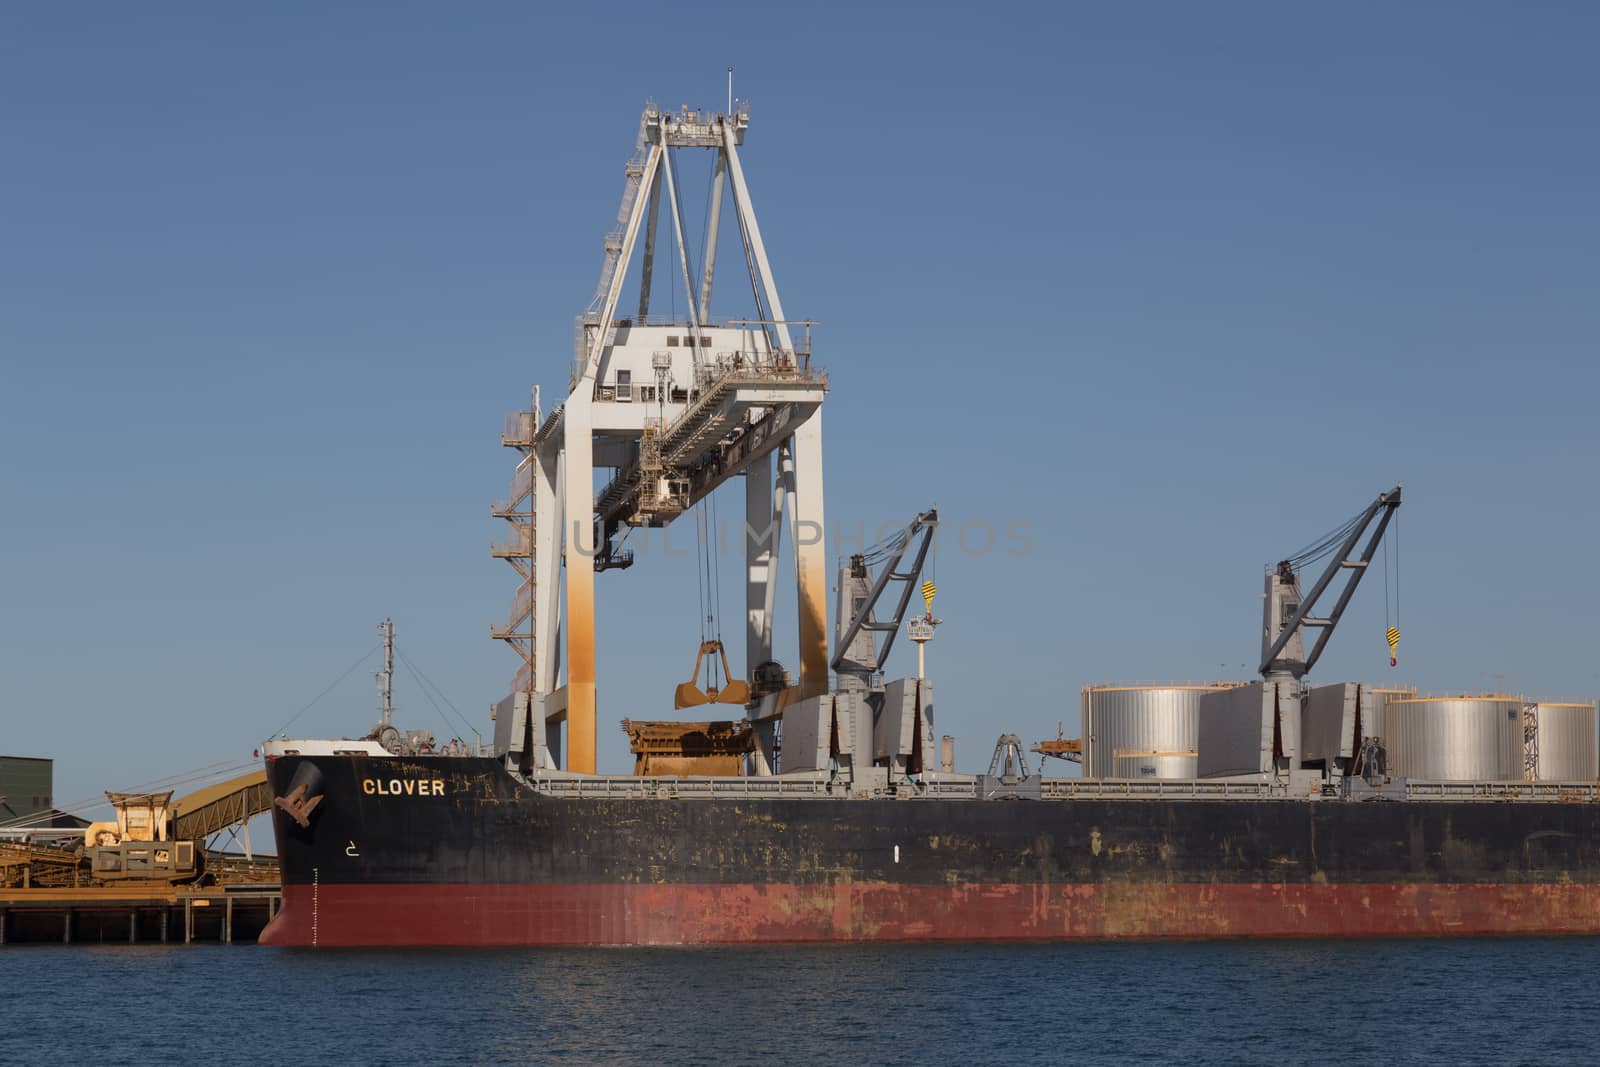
1179, 286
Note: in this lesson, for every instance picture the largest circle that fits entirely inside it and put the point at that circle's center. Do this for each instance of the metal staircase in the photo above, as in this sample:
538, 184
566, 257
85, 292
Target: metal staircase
517, 549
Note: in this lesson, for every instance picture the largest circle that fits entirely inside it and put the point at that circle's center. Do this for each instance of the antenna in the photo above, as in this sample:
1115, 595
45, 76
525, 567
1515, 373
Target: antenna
386, 676
730, 90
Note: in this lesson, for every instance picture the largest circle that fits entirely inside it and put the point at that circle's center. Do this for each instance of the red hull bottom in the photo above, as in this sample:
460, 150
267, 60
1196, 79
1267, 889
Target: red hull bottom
372, 915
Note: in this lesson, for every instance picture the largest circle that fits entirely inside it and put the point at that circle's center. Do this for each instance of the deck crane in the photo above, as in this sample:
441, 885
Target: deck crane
857, 659
1286, 615
876, 732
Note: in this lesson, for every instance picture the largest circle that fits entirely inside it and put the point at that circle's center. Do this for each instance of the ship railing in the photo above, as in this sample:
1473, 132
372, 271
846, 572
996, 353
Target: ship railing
961, 790
682, 322
1155, 788
628, 786
1556, 792
1414, 789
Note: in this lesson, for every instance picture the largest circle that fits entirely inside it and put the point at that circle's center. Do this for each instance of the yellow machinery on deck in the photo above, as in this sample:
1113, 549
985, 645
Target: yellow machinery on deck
1063, 747
679, 748
698, 748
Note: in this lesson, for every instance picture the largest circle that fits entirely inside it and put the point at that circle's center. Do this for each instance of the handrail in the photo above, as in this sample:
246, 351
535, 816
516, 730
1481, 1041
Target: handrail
1051, 789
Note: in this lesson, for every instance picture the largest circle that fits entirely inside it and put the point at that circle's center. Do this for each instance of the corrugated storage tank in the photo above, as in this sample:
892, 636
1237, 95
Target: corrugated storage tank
1455, 739
1567, 746
1143, 731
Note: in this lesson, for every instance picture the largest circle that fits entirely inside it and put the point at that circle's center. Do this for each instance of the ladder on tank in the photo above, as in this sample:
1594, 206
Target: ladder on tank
1530, 741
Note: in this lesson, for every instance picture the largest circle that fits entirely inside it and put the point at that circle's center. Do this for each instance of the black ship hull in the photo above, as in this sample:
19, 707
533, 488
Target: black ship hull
457, 851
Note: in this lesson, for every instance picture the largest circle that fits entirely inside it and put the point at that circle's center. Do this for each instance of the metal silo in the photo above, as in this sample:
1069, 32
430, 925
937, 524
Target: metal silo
1142, 731
1457, 739
1566, 740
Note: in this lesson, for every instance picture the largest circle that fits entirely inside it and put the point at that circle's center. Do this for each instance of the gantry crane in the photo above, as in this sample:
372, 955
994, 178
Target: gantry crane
672, 408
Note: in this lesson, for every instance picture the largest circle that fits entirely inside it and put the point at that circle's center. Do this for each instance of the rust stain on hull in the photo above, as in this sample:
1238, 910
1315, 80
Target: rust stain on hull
645, 914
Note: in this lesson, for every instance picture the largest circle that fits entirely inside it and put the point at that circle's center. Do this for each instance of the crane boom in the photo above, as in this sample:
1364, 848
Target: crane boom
858, 604
1294, 614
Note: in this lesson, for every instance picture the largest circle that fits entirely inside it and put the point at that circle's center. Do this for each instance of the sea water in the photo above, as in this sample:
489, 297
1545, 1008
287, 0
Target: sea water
1458, 1001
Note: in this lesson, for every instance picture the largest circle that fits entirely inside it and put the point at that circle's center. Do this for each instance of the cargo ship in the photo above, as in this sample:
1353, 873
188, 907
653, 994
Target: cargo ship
826, 806
459, 851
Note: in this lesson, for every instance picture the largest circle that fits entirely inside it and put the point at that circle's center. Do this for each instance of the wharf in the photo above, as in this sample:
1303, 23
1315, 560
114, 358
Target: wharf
132, 914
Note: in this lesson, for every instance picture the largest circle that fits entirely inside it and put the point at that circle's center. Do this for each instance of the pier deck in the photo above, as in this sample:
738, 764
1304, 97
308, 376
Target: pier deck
137, 913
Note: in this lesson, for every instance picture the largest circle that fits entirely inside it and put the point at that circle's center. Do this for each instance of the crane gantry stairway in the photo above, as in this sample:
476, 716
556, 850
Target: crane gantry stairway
517, 549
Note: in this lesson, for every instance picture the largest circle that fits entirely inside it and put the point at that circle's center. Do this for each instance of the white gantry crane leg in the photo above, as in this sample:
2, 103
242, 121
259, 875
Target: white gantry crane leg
683, 253
805, 482
713, 223
577, 530
752, 232
608, 308
765, 503
760, 560
647, 267
549, 519
579, 553
810, 555
762, 515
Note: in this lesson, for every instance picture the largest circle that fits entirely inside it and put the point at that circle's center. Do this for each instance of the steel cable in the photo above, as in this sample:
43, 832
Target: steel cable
279, 732
428, 683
